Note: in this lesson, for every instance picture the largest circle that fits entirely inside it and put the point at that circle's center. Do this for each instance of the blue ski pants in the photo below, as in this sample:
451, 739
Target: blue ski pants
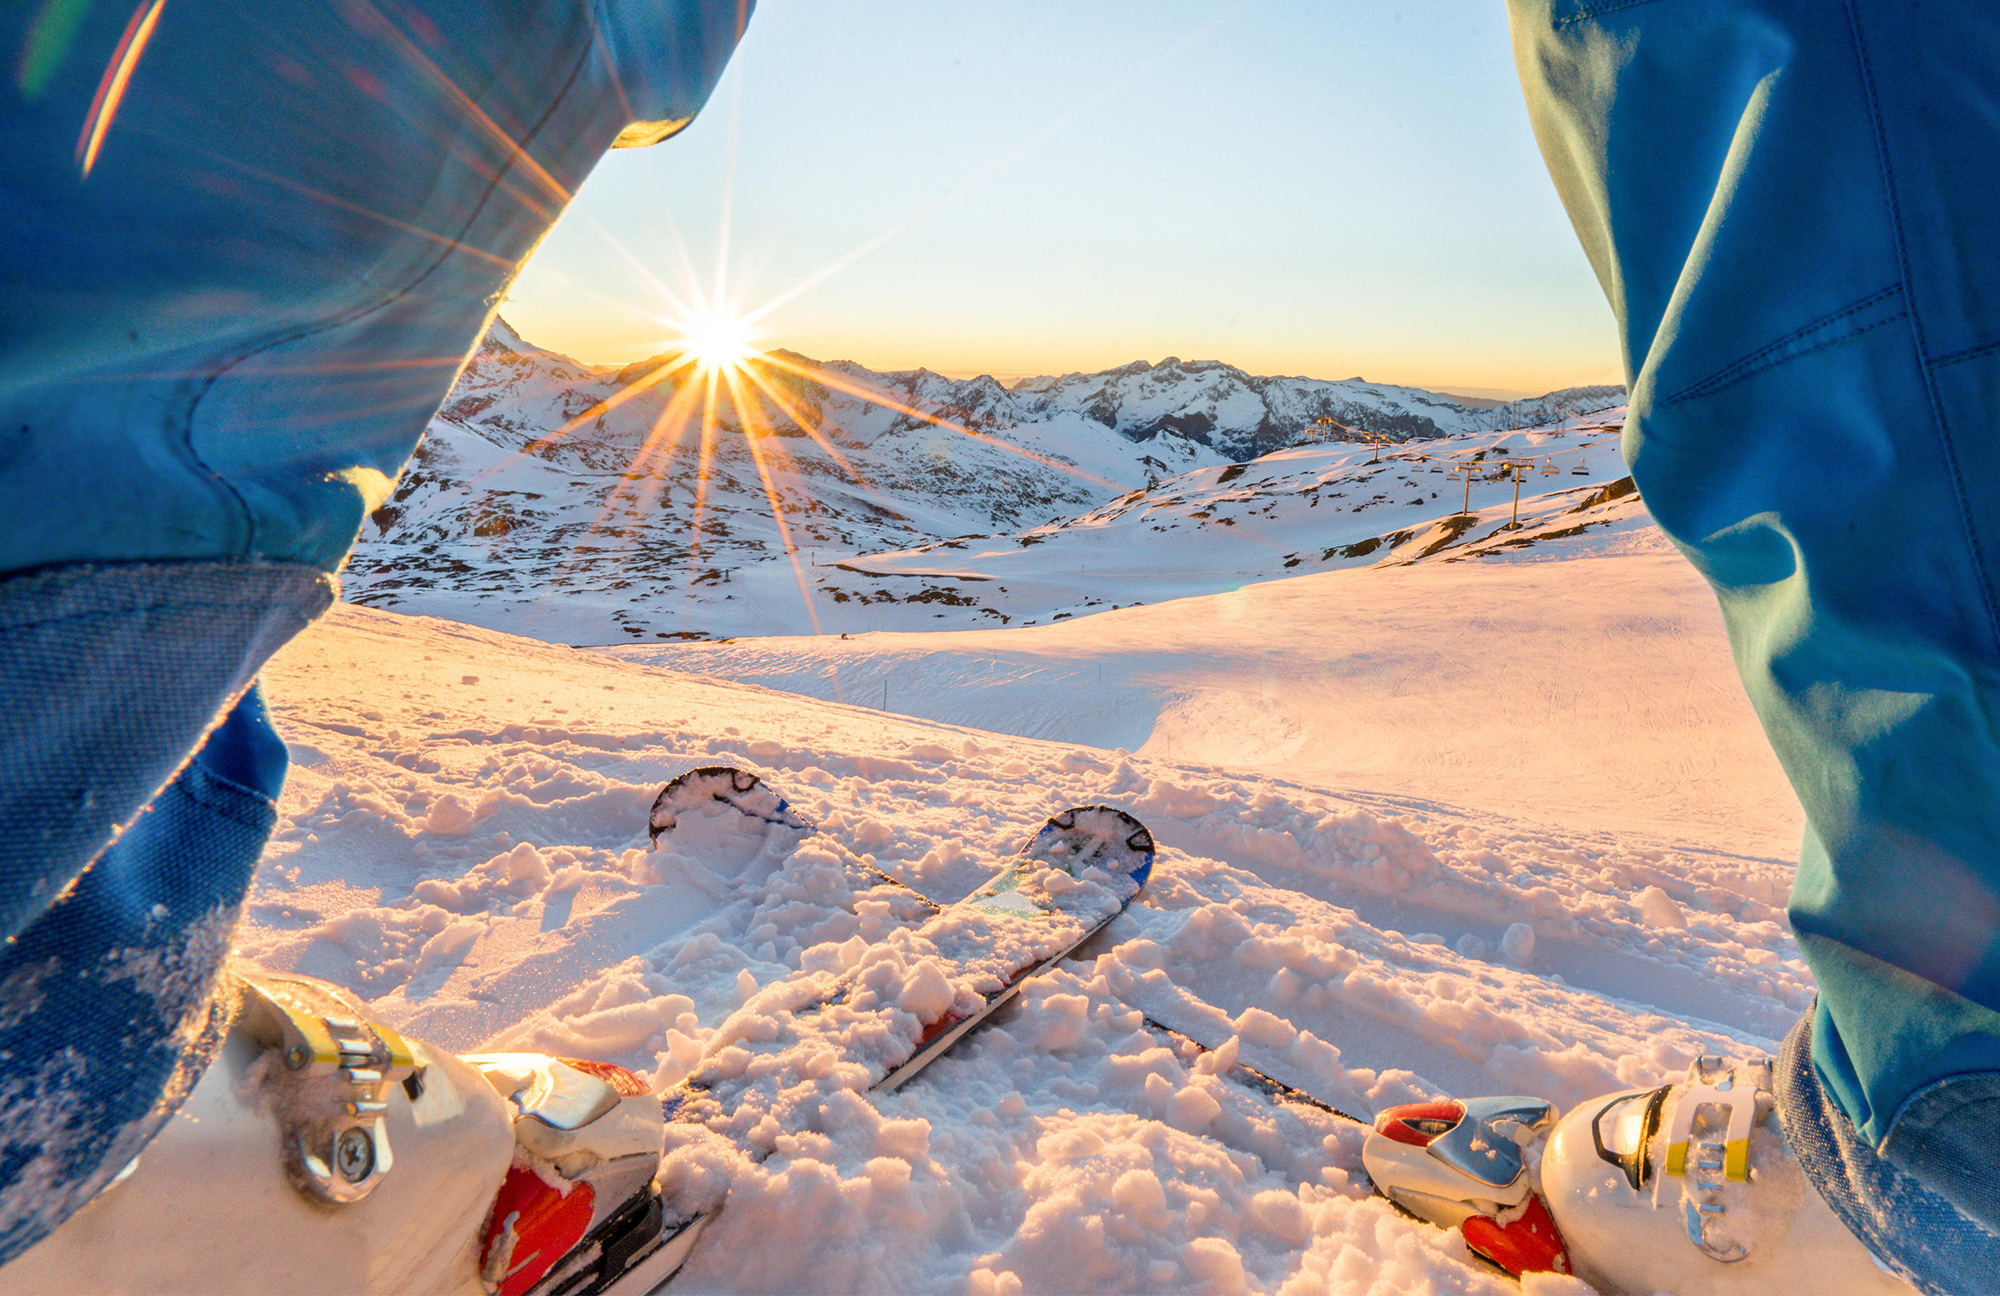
247, 249
1791, 205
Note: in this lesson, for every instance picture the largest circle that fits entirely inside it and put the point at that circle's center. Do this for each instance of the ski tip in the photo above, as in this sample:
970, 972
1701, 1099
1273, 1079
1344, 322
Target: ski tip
1104, 836
738, 788
685, 791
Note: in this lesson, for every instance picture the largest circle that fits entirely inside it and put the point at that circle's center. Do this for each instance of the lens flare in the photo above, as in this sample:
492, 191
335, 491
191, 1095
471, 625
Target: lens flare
719, 341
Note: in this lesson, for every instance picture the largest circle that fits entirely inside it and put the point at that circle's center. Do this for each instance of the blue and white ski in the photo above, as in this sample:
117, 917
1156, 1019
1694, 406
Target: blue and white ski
739, 789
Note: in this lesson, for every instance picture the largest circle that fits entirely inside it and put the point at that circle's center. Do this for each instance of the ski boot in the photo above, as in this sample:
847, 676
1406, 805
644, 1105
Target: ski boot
322, 1151
1689, 1188
1466, 1165
579, 1213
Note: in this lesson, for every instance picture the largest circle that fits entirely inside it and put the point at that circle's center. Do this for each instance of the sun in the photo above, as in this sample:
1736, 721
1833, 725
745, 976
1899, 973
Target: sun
719, 340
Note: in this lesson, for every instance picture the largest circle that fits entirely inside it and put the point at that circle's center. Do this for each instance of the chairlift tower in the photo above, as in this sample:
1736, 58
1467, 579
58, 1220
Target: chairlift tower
1520, 468
1464, 471
1326, 426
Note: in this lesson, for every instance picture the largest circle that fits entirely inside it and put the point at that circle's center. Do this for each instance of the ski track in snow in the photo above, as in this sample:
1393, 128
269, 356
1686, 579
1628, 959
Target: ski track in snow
462, 840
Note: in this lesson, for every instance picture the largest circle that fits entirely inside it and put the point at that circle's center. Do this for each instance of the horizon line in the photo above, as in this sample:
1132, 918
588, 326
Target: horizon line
1011, 379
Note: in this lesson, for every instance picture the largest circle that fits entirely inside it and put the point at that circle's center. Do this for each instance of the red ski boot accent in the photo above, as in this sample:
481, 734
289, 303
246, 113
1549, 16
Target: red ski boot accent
1418, 1123
532, 1226
627, 1084
1530, 1243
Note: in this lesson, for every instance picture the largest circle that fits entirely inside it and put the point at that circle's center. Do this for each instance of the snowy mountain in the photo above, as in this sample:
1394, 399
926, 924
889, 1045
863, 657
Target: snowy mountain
594, 506
1221, 406
1292, 513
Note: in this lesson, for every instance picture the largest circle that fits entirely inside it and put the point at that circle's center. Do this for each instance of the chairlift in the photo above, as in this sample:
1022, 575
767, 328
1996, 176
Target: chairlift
1579, 470
1549, 468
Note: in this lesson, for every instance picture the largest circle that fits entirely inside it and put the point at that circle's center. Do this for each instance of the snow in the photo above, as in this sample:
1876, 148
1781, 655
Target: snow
1500, 824
1597, 689
563, 502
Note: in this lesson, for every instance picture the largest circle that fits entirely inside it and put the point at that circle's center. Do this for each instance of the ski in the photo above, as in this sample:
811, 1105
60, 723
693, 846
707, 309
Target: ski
740, 790
1242, 1073
961, 965
1449, 1163
748, 795
1074, 843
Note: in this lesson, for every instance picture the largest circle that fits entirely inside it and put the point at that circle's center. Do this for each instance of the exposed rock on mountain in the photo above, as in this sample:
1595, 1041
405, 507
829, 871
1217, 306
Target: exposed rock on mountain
658, 501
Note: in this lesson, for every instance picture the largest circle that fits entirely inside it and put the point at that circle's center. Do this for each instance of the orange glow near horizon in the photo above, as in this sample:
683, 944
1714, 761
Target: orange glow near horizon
1483, 367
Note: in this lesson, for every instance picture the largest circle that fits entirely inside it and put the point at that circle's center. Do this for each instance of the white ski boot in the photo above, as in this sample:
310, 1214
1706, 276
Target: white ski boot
1688, 1188
324, 1152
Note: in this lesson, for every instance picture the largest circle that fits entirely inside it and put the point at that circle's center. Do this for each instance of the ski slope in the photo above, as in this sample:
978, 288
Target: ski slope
1514, 832
1596, 689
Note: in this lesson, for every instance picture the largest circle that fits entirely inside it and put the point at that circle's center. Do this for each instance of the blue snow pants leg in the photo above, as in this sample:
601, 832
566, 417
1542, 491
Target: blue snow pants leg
1791, 206
246, 249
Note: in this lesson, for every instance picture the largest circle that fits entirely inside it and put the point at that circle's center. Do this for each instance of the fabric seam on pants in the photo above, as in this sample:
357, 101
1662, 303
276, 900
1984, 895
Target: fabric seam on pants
155, 606
1943, 1088
242, 806
272, 598
1769, 355
1970, 353
1938, 425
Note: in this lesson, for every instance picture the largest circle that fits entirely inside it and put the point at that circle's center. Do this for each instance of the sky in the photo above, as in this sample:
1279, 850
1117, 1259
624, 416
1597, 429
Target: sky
1325, 188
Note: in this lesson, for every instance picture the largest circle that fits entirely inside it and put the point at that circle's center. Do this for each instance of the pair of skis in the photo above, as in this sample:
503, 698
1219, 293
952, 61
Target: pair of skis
1079, 871
750, 796
892, 1015
895, 1014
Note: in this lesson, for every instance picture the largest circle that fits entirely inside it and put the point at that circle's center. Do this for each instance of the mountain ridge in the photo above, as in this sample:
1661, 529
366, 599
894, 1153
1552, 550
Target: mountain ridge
589, 505
1138, 399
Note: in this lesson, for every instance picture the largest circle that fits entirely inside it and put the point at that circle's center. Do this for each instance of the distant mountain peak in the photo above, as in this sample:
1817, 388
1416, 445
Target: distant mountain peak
587, 503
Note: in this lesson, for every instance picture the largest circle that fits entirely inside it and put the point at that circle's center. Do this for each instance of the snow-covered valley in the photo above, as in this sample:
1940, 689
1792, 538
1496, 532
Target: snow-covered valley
1495, 820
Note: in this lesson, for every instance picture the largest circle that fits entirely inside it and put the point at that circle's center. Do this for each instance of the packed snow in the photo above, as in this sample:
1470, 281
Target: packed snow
1595, 688
1498, 824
